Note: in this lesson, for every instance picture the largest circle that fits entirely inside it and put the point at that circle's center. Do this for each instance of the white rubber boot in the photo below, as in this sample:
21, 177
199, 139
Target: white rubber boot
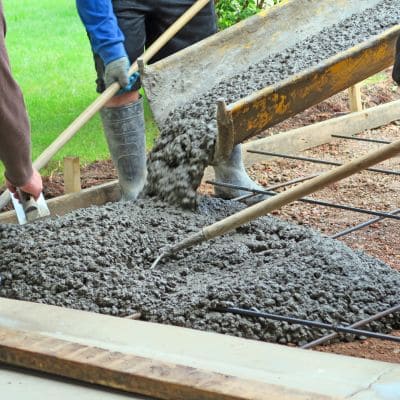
125, 133
233, 172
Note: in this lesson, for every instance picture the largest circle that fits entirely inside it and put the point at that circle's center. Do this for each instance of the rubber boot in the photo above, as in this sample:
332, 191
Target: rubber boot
233, 172
125, 133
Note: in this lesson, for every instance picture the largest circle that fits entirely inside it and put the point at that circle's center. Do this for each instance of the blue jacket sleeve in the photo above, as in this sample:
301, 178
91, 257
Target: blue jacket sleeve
106, 38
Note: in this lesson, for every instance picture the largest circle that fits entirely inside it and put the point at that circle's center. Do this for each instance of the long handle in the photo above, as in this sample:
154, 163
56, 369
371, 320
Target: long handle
110, 92
304, 189
264, 207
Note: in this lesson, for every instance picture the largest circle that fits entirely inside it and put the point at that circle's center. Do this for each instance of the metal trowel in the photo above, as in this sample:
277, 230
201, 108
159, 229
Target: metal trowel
28, 209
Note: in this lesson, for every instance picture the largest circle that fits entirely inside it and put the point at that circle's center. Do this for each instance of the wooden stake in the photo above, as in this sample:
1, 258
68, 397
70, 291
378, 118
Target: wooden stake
72, 175
355, 98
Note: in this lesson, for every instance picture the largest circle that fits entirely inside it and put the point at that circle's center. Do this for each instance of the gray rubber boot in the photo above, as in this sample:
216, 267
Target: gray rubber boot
233, 172
125, 133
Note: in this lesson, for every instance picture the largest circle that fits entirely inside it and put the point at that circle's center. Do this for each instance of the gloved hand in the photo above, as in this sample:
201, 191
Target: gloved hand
396, 67
117, 71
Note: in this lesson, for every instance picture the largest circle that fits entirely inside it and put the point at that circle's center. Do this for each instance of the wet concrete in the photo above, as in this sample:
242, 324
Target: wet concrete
186, 144
98, 259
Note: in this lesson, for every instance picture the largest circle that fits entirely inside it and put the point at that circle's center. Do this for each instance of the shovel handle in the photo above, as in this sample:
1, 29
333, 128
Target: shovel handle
110, 92
264, 207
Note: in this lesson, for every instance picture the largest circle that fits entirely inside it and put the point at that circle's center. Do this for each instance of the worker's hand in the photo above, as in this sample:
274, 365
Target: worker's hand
33, 187
117, 71
396, 67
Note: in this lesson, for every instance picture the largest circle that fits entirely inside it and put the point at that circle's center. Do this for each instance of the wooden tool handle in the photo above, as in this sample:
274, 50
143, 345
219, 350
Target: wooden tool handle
109, 93
304, 189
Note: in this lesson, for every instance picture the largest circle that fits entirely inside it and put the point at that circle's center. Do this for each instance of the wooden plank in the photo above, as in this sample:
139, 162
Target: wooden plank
338, 376
17, 384
355, 101
72, 175
97, 195
296, 140
134, 374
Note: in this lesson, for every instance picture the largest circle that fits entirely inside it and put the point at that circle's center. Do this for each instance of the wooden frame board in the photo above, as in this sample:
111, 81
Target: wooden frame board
300, 139
132, 373
96, 195
60, 353
168, 362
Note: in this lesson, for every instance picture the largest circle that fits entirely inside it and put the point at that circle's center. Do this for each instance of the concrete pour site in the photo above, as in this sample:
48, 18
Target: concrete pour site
98, 258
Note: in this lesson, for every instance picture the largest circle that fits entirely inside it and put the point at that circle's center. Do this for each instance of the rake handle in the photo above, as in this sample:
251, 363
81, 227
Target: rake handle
110, 92
264, 207
304, 189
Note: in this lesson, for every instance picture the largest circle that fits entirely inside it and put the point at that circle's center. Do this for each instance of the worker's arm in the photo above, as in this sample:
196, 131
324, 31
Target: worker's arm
15, 146
14, 124
107, 41
106, 38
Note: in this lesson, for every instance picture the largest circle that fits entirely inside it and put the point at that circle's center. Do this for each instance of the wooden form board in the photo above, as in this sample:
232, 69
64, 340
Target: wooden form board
132, 373
132, 355
300, 139
97, 195
20, 384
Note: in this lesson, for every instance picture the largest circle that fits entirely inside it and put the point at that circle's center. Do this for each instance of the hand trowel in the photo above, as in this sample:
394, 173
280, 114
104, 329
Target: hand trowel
28, 209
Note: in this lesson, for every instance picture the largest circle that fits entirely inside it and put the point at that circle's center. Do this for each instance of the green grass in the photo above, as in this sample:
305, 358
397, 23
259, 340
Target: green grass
377, 78
52, 62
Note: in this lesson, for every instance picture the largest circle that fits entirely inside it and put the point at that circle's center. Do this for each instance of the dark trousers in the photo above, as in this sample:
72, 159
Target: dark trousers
144, 21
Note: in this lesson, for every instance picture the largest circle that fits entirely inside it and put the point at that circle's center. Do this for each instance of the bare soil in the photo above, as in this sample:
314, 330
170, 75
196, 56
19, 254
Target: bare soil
366, 190
91, 175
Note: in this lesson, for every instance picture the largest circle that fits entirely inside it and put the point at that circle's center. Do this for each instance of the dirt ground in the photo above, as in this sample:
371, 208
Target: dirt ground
366, 190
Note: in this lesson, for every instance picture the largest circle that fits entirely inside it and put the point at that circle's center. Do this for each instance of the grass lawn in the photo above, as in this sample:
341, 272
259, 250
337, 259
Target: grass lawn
51, 60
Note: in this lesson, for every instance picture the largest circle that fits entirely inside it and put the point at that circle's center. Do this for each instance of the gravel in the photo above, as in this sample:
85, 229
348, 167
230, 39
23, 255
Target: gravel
98, 259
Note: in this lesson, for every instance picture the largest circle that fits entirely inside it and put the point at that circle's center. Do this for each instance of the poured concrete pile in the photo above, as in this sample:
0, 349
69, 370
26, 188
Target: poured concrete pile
186, 144
98, 259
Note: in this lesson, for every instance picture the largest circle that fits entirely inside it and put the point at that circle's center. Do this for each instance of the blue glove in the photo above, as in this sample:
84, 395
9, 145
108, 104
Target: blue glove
132, 80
